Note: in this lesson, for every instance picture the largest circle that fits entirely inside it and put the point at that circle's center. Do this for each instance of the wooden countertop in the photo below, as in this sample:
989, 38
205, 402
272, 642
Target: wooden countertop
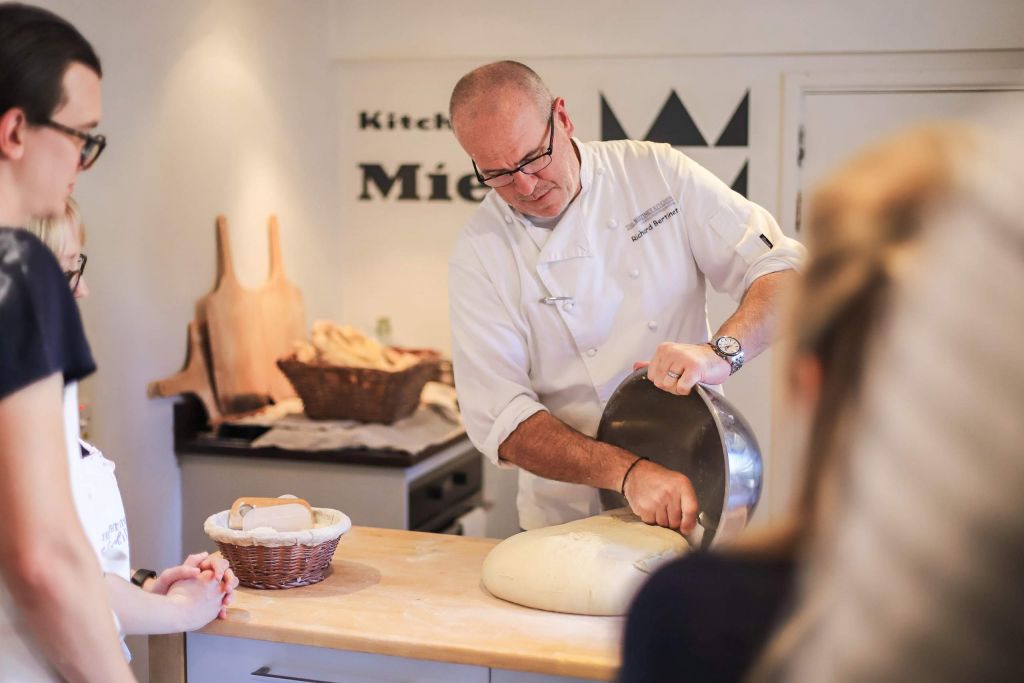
419, 595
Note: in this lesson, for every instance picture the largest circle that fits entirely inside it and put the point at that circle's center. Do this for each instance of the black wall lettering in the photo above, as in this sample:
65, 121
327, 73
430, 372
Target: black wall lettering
439, 185
376, 175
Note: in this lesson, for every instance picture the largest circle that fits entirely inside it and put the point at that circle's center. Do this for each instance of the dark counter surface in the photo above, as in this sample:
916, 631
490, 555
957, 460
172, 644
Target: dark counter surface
193, 436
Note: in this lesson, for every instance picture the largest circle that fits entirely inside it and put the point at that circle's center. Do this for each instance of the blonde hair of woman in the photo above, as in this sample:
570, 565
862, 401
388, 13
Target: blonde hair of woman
52, 231
865, 228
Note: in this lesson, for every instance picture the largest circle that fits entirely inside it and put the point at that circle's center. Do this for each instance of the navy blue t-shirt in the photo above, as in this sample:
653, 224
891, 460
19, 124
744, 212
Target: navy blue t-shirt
40, 328
704, 618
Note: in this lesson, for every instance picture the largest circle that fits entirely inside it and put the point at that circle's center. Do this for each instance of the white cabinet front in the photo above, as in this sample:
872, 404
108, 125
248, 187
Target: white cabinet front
219, 659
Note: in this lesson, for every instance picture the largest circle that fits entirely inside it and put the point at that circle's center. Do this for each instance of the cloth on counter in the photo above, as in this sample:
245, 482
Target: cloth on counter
435, 421
329, 524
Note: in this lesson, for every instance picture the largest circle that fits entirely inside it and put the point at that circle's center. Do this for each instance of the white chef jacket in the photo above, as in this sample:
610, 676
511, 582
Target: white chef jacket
101, 511
634, 251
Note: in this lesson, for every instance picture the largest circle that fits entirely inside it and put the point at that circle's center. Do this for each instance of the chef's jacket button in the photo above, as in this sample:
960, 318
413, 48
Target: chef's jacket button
613, 223
652, 325
508, 219
591, 352
568, 306
635, 273
600, 170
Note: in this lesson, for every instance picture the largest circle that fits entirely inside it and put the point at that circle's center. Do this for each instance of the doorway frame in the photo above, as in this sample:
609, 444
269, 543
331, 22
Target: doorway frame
797, 86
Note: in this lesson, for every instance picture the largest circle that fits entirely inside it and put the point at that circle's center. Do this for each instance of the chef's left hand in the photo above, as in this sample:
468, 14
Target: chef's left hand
675, 368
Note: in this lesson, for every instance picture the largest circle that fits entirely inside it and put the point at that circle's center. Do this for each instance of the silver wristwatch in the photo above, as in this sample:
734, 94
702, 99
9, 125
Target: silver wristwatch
729, 349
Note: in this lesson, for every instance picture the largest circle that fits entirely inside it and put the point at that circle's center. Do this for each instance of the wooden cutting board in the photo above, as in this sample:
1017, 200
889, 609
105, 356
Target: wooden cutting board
249, 329
284, 317
234, 322
194, 378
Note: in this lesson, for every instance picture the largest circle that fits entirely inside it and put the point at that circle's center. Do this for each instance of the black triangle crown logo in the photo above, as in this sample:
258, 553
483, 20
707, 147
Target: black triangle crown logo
611, 129
675, 126
737, 131
740, 183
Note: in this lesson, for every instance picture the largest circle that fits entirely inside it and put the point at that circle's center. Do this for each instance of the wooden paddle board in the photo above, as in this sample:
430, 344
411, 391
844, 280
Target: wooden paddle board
194, 378
238, 350
283, 316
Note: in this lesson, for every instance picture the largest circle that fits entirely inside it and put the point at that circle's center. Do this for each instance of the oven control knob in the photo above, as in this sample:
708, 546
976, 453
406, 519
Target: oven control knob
438, 491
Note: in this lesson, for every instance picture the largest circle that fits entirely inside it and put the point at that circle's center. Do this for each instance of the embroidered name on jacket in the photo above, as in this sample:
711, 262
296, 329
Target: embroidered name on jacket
648, 217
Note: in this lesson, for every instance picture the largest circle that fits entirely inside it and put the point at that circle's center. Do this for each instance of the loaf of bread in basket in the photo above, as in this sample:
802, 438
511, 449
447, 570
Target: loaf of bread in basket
265, 558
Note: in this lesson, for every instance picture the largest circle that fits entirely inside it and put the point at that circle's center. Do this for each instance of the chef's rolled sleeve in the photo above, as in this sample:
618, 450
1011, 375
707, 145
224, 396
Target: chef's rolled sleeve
490, 359
734, 241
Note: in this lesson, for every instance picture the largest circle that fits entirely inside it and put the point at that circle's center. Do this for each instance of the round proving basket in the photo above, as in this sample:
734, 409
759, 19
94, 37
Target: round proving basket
264, 558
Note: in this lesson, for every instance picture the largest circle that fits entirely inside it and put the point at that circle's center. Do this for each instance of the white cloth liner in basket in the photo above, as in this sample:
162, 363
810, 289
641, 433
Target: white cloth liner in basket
329, 524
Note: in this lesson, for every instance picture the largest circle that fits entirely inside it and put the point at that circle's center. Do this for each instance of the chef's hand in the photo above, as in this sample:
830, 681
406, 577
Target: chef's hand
675, 368
661, 496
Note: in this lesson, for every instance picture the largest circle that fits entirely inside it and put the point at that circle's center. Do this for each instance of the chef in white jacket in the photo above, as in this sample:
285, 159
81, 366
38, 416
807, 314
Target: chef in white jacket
585, 259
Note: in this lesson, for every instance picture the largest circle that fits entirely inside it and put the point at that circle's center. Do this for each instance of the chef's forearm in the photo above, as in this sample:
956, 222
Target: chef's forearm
546, 446
756, 320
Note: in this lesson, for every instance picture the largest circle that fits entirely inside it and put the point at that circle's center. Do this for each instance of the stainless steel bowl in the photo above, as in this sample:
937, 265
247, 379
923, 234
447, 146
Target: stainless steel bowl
701, 435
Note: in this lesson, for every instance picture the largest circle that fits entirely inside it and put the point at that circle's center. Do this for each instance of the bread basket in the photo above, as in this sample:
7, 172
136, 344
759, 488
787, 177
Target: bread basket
264, 558
334, 392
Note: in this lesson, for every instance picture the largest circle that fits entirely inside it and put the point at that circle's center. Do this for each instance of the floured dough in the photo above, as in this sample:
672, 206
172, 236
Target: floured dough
590, 566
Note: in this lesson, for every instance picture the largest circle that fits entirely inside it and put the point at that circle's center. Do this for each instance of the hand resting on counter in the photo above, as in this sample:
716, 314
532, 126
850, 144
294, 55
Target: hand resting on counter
191, 569
181, 598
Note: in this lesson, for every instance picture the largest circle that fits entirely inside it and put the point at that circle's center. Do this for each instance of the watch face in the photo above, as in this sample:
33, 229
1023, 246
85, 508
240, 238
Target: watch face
728, 345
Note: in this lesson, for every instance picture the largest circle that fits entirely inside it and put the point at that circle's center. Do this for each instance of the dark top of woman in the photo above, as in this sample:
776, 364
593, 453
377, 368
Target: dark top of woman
40, 328
704, 617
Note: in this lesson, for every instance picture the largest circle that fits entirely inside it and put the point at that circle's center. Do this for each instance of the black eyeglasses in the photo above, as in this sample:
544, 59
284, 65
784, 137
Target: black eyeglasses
92, 147
529, 167
75, 276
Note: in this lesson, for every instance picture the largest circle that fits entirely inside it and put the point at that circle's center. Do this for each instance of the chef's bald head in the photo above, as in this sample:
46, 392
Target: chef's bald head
497, 86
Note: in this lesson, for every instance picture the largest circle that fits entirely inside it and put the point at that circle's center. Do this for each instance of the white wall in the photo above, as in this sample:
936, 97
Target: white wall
712, 47
428, 29
210, 107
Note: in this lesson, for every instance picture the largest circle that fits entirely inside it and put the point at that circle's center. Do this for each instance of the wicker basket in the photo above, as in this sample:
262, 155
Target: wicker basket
279, 560
331, 392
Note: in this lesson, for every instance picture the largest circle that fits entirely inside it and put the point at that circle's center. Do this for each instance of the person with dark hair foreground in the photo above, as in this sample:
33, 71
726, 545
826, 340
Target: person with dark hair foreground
55, 619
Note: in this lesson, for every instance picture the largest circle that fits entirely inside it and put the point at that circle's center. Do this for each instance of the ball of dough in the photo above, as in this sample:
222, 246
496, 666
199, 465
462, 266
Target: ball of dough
591, 566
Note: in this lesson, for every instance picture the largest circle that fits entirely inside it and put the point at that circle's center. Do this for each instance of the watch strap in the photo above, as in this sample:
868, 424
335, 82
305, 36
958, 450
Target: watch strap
140, 576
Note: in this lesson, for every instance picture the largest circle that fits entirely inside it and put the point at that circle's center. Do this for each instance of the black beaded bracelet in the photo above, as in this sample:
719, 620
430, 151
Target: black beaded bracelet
622, 489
